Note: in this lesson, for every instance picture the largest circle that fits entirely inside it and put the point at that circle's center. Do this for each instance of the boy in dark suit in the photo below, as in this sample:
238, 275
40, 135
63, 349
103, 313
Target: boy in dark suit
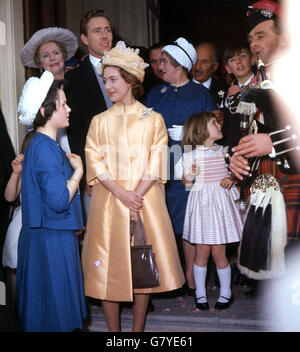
237, 60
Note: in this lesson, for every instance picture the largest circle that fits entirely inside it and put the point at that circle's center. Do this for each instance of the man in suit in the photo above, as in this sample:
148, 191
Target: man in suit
153, 75
204, 69
85, 92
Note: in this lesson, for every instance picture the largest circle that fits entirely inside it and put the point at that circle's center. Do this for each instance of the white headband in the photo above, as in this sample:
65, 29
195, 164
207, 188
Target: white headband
34, 93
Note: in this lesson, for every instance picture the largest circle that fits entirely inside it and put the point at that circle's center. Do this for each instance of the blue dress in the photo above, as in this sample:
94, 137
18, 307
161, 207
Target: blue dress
49, 287
176, 104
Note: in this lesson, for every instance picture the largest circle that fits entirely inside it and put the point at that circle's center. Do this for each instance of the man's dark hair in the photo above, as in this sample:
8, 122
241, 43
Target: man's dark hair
88, 16
156, 46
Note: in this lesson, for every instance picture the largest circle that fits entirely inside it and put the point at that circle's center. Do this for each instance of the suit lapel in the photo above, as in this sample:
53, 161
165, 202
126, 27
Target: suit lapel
91, 89
90, 76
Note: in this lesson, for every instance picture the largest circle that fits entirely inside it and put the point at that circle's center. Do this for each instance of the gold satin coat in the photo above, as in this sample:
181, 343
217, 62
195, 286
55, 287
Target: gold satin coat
126, 143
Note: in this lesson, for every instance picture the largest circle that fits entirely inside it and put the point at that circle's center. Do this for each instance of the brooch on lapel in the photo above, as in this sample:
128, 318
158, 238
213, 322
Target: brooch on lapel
97, 263
164, 89
146, 113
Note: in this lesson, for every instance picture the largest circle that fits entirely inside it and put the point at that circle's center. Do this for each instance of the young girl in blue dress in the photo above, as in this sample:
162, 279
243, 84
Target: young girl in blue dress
212, 218
49, 288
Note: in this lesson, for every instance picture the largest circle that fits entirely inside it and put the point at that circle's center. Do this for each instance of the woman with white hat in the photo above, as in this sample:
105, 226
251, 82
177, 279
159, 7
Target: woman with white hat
49, 288
48, 49
176, 100
126, 150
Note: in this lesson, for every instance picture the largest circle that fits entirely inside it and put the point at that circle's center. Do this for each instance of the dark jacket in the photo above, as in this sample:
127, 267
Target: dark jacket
217, 88
7, 154
85, 98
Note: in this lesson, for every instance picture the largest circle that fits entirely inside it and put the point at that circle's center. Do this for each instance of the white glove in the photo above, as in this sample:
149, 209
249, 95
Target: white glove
178, 170
175, 132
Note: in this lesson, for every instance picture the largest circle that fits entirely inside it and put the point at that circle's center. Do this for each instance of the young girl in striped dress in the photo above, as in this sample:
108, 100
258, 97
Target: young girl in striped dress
212, 217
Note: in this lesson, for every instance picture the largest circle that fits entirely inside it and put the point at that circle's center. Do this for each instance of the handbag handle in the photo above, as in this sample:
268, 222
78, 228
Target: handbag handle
137, 230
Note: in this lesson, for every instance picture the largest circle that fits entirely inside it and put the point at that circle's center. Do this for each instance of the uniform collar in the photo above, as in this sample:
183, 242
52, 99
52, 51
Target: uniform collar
247, 82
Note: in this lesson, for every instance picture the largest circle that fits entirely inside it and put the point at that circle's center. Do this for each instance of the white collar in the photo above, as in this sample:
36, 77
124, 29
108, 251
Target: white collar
95, 60
205, 84
247, 82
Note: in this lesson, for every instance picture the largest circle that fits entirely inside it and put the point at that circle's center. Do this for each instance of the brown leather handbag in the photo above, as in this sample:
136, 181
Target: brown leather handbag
144, 268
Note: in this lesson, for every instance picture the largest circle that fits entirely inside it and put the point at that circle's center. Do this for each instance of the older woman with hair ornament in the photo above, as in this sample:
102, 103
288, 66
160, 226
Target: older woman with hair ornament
125, 151
176, 100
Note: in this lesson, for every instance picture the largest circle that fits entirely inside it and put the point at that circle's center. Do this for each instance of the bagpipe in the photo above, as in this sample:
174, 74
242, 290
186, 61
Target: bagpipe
261, 252
282, 132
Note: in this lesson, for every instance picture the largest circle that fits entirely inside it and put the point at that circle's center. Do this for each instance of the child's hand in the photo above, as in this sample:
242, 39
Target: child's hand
233, 89
194, 170
189, 175
226, 182
16, 164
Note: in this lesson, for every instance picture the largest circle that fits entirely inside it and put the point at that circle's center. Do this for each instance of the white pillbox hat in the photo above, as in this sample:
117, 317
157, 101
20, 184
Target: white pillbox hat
183, 52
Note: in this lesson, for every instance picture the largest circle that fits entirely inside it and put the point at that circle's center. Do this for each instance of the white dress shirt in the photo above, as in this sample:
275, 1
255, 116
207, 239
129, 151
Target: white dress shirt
206, 84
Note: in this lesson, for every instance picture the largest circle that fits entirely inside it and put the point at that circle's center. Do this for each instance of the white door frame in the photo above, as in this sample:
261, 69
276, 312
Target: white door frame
12, 73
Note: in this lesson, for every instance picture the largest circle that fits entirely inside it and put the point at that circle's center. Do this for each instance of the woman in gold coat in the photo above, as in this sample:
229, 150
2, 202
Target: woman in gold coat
126, 156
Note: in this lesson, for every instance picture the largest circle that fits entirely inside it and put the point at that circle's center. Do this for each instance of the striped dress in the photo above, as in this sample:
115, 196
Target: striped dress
212, 217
